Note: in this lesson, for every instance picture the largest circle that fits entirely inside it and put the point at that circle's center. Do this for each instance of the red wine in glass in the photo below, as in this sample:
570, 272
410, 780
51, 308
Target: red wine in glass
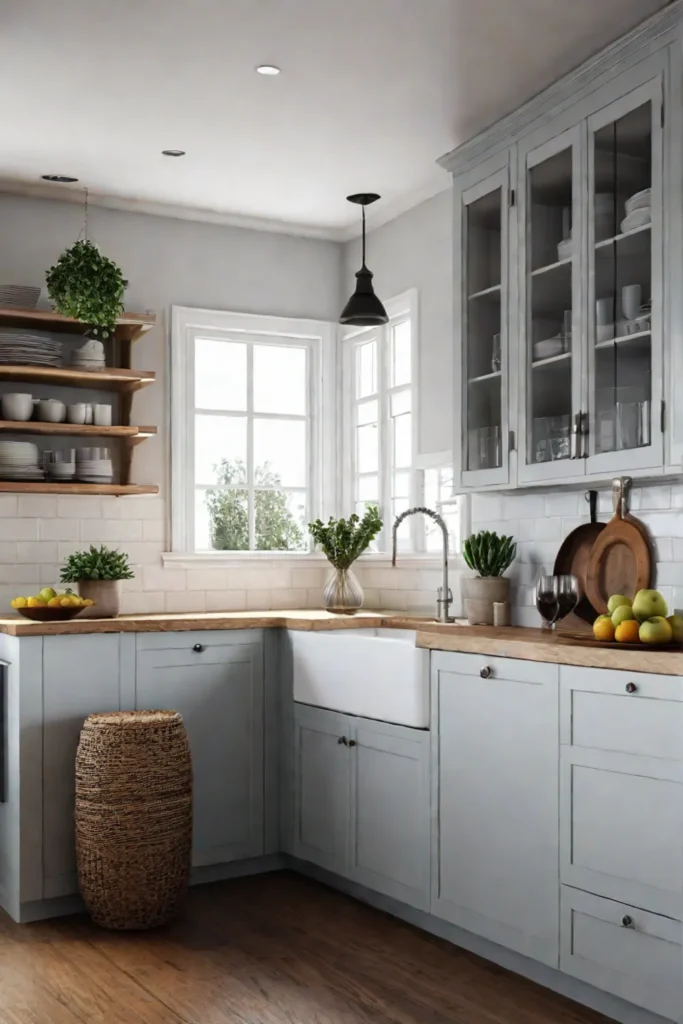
547, 599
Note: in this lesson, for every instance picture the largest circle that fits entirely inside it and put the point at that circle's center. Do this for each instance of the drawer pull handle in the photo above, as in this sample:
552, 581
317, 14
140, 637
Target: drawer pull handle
343, 739
198, 648
627, 921
352, 743
485, 672
631, 688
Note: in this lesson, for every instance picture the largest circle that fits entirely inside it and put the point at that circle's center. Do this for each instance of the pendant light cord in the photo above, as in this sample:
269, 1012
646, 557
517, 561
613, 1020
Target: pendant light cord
363, 261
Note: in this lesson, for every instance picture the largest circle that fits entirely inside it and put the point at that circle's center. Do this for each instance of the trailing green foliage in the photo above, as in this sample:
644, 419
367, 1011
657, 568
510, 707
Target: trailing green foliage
96, 564
87, 286
343, 540
488, 554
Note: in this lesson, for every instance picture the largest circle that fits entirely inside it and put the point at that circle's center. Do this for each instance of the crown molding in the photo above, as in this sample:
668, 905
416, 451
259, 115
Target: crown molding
660, 29
385, 212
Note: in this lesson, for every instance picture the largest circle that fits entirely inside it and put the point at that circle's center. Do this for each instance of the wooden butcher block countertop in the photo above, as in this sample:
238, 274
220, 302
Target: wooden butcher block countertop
507, 642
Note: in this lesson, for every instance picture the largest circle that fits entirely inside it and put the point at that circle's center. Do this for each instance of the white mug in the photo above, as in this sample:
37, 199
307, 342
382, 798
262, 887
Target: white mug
631, 297
604, 311
75, 413
88, 412
102, 415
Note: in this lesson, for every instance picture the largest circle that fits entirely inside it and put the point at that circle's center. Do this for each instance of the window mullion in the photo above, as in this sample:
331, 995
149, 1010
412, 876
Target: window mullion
251, 499
385, 439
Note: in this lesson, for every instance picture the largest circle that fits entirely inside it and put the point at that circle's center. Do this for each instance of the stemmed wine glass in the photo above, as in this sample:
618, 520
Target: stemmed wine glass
556, 596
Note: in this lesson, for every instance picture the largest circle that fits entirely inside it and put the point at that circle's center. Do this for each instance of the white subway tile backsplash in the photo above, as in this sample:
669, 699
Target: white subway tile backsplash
523, 506
68, 547
156, 577
73, 506
486, 507
36, 551
59, 529
185, 601
664, 549
258, 600
148, 553
669, 573
153, 529
663, 524
562, 503
226, 601
309, 577
539, 529
20, 529
649, 498
8, 505
14, 573
38, 505
111, 531
289, 598
393, 600
147, 603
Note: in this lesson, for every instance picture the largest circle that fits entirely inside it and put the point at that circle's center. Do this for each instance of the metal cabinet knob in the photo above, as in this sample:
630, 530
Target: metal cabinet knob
631, 688
198, 648
342, 739
352, 743
627, 921
485, 672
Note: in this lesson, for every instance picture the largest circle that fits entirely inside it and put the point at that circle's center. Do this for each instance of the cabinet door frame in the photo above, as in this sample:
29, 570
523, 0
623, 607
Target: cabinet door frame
415, 745
494, 173
651, 456
539, 147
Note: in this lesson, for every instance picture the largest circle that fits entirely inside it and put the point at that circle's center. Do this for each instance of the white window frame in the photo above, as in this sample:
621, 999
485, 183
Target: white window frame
319, 338
404, 306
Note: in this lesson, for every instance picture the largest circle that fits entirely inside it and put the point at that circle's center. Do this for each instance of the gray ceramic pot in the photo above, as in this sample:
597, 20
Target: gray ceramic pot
107, 597
481, 593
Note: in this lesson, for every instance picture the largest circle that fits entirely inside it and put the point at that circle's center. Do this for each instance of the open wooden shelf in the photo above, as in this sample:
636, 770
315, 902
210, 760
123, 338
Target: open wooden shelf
74, 429
109, 379
45, 487
129, 326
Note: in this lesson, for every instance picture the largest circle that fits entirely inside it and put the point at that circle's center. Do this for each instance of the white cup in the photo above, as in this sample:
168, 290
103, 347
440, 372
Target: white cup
51, 410
102, 415
604, 311
88, 412
75, 413
631, 297
17, 407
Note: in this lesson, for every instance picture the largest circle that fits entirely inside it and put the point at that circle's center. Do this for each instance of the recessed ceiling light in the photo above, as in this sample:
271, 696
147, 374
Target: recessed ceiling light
268, 69
173, 152
63, 178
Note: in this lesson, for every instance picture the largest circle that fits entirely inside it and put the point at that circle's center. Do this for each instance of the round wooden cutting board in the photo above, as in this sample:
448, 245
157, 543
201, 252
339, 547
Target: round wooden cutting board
620, 560
573, 558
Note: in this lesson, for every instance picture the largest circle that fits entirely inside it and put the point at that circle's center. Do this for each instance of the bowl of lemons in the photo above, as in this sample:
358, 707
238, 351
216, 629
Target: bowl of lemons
49, 606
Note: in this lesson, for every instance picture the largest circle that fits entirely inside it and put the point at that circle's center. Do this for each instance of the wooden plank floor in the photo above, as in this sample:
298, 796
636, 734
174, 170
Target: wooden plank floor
273, 949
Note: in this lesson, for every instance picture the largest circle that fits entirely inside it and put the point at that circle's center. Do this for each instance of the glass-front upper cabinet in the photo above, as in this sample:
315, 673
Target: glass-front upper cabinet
551, 317
482, 218
623, 427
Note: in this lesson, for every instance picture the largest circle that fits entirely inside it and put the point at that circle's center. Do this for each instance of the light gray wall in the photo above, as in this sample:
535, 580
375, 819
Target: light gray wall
415, 251
174, 262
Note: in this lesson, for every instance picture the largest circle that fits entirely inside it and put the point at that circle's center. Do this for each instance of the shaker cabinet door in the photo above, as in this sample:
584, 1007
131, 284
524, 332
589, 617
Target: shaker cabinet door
219, 692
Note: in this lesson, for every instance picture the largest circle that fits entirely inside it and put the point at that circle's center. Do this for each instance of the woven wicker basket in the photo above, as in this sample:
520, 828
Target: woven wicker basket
133, 816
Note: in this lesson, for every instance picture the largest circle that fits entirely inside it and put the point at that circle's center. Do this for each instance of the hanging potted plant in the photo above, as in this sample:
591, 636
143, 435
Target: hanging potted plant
342, 541
87, 286
489, 556
98, 573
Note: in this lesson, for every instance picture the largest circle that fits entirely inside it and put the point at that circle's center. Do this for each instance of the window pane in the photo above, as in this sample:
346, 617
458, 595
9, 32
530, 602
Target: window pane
400, 403
366, 369
281, 520
431, 488
401, 485
399, 505
367, 449
400, 362
280, 379
446, 482
220, 445
367, 412
220, 375
221, 520
402, 441
280, 453
368, 488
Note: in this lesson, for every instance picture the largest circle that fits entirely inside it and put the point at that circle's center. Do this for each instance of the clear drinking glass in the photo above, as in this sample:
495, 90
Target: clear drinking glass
495, 354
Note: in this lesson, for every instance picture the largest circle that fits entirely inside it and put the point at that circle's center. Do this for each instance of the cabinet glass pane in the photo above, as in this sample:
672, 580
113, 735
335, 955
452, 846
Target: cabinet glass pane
483, 262
621, 302
549, 281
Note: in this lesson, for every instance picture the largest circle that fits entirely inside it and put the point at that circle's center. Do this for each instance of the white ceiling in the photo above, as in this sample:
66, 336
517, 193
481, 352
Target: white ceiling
371, 93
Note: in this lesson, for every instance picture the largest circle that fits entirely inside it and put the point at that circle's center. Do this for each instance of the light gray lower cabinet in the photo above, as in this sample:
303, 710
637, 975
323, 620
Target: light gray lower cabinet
215, 680
362, 801
495, 789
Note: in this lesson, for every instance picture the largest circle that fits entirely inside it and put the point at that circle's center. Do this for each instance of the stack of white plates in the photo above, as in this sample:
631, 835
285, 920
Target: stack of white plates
19, 461
19, 296
89, 356
29, 347
638, 210
94, 466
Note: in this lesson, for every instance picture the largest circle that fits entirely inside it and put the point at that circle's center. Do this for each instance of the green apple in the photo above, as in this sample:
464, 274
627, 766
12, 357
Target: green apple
649, 604
618, 601
47, 593
676, 623
656, 630
621, 614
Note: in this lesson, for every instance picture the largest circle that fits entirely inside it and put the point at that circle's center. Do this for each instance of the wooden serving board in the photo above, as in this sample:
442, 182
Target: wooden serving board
620, 560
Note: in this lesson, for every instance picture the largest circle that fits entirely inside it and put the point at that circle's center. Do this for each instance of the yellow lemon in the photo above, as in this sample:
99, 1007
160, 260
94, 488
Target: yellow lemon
603, 628
54, 602
19, 602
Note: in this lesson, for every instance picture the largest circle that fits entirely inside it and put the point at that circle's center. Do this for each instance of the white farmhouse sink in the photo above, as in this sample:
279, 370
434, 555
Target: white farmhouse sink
373, 673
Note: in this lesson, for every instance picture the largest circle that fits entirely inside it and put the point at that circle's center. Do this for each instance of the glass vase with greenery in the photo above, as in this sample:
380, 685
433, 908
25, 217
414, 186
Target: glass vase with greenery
342, 541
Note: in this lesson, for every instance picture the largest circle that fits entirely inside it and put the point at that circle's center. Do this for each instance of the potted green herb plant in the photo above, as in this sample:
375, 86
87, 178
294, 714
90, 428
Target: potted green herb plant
489, 556
342, 541
98, 573
87, 286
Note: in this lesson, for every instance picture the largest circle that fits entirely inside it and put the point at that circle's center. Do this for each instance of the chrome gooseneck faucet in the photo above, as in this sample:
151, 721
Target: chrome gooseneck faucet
444, 595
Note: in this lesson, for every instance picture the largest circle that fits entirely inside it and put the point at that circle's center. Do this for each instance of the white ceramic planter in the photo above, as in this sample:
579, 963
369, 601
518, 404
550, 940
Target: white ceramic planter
481, 593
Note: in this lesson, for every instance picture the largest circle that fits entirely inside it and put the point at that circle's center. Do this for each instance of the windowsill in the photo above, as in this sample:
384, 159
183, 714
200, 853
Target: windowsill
303, 560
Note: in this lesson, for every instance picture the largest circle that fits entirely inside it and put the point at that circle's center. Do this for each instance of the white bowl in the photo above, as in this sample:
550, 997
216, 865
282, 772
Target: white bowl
548, 348
637, 219
641, 200
51, 410
17, 407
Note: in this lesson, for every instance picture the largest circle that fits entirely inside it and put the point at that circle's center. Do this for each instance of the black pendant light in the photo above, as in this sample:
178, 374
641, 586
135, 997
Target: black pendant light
364, 308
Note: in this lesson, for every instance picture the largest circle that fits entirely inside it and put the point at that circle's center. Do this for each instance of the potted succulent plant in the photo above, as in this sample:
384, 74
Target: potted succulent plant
342, 541
489, 556
98, 573
87, 286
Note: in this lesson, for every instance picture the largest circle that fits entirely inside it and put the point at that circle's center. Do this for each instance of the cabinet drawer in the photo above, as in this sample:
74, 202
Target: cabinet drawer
500, 668
620, 949
186, 639
600, 710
